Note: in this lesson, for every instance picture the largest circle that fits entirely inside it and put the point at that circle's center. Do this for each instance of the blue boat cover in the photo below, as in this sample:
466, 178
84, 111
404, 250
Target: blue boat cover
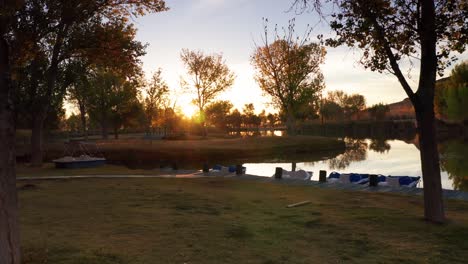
361, 178
334, 174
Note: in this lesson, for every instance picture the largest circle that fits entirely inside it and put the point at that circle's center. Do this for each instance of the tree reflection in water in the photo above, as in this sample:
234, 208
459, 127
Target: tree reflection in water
379, 145
356, 150
454, 160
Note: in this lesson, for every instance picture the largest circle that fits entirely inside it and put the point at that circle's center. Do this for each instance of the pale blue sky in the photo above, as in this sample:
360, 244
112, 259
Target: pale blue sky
232, 27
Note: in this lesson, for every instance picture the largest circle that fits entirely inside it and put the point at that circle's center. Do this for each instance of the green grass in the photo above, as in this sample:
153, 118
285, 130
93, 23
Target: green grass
218, 220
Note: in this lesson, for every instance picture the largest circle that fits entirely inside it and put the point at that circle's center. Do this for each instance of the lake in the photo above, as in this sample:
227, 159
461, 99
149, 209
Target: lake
387, 157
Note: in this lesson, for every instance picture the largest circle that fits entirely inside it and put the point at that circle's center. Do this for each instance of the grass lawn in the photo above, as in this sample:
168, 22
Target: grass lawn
219, 220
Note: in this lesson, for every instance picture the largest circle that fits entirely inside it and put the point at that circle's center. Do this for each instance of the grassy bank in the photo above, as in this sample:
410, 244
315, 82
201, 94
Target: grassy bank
48, 169
139, 153
218, 220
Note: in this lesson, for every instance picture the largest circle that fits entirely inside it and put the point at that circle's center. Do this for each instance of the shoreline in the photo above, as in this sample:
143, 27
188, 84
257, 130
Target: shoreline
191, 174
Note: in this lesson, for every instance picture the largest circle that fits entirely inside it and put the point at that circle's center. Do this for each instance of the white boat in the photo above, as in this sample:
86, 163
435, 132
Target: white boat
298, 175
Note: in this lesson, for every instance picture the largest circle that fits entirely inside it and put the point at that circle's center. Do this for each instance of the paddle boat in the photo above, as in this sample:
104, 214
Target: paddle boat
355, 178
82, 161
227, 169
297, 175
395, 181
79, 154
359, 178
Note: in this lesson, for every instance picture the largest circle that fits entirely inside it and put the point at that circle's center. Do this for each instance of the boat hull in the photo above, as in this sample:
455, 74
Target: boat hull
79, 164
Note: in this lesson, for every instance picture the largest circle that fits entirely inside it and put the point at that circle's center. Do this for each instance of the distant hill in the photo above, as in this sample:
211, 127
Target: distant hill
403, 110
399, 110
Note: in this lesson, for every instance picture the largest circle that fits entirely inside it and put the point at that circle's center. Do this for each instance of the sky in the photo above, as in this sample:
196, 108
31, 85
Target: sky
233, 27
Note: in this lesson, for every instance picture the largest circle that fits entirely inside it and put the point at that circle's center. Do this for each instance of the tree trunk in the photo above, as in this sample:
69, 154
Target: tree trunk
433, 203
9, 233
104, 126
36, 140
83, 121
291, 124
205, 129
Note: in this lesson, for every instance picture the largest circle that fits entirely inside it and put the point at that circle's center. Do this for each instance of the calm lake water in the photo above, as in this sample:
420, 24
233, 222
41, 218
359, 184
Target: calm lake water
387, 157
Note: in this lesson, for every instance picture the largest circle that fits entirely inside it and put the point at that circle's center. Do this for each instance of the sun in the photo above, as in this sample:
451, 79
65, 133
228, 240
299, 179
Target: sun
188, 110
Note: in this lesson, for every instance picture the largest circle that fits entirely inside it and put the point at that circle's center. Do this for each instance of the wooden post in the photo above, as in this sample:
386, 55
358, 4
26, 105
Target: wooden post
206, 168
323, 176
278, 173
293, 166
373, 180
174, 166
239, 169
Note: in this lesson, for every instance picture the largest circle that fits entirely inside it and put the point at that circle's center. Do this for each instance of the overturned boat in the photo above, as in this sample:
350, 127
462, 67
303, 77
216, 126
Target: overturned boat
82, 161
79, 154
360, 178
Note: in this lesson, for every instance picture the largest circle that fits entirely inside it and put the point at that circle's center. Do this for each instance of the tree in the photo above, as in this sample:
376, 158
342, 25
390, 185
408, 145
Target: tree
391, 32
331, 110
80, 91
209, 77
156, 97
9, 234
272, 119
355, 103
122, 59
235, 120
248, 115
262, 117
378, 111
73, 123
350, 103
288, 69
452, 94
114, 102
217, 113
49, 33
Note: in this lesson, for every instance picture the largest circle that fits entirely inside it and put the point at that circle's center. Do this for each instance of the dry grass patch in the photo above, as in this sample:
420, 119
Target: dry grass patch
210, 220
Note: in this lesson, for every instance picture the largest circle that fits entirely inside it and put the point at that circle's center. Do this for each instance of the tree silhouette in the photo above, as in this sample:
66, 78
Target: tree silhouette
156, 96
288, 69
378, 111
217, 113
209, 77
47, 34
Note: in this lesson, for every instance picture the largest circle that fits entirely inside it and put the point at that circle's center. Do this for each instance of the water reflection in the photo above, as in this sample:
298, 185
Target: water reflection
356, 150
454, 161
388, 157
257, 133
379, 145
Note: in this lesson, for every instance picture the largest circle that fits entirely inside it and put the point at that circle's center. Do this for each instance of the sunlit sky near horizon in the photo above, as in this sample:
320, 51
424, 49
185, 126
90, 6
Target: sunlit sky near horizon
232, 28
